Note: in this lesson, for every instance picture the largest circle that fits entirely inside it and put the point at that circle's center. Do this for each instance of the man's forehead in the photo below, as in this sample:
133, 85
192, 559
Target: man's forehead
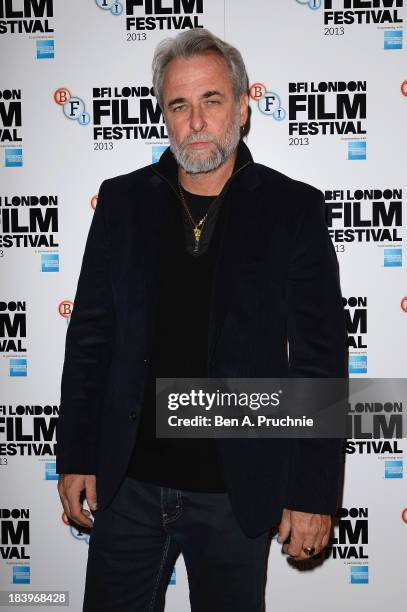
202, 72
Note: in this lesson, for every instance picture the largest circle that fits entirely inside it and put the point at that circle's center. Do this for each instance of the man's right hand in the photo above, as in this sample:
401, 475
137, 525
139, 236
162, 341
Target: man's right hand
70, 487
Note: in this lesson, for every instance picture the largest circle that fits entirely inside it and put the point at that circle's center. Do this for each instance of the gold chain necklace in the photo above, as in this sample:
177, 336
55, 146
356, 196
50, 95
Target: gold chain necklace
196, 227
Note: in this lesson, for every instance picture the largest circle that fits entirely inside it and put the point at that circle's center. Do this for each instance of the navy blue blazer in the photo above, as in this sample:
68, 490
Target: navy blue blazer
276, 282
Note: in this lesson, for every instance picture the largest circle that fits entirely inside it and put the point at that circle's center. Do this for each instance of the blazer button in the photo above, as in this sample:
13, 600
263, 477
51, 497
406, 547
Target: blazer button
145, 361
133, 416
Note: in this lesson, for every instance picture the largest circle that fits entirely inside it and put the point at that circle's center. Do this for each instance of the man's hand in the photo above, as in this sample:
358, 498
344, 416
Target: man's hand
304, 529
70, 487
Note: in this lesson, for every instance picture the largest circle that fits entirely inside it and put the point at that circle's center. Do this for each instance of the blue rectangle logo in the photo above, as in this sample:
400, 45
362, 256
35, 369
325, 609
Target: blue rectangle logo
156, 152
49, 262
356, 149
393, 258
359, 574
18, 367
393, 39
13, 158
173, 579
50, 471
393, 468
357, 364
21, 574
45, 49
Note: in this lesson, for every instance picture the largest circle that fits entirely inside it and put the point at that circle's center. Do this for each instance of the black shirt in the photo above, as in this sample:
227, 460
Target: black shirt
180, 350
198, 206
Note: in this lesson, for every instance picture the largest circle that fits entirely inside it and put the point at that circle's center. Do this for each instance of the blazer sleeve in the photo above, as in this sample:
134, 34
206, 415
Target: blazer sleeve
88, 350
317, 349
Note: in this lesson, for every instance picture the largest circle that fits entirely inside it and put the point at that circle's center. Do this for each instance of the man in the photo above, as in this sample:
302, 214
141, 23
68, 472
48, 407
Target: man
203, 265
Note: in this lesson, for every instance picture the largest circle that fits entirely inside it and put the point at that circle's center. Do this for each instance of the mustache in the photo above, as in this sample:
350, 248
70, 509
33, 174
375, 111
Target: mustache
196, 138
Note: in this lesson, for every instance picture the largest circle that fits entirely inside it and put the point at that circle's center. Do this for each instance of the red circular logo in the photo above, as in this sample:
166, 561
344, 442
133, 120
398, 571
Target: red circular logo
403, 88
257, 91
403, 303
62, 95
94, 201
65, 308
404, 515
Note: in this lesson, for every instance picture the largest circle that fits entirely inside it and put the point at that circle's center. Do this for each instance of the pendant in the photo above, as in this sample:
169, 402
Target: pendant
197, 234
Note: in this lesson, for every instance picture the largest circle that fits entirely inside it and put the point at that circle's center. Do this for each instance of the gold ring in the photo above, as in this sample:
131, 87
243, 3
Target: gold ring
309, 550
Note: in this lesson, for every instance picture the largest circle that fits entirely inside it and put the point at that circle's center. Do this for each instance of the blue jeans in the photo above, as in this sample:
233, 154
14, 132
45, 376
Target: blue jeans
134, 544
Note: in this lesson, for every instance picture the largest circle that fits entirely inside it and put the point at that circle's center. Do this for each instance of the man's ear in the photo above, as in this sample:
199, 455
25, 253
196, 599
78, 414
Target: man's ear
244, 109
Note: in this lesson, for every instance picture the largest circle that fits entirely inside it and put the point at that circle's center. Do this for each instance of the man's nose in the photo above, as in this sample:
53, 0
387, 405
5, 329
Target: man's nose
197, 119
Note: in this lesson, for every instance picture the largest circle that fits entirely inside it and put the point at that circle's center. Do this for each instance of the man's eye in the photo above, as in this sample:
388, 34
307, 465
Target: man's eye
178, 108
210, 102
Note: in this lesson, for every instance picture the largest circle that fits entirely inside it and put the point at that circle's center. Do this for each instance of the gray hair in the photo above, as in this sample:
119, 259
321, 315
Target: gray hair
198, 41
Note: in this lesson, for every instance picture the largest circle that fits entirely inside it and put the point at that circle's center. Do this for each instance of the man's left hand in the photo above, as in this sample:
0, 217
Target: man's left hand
305, 531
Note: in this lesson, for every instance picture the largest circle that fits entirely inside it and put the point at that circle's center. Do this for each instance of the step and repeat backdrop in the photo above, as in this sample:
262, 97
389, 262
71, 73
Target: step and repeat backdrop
329, 107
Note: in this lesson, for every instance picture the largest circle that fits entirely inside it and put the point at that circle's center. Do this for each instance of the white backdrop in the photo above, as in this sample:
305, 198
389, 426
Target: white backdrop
337, 67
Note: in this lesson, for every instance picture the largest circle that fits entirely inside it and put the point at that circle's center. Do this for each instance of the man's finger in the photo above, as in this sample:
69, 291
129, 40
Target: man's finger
284, 527
63, 498
318, 544
294, 548
91, 494
325, 539
65, 505
80, 516
322, 539
76, 510
311, 546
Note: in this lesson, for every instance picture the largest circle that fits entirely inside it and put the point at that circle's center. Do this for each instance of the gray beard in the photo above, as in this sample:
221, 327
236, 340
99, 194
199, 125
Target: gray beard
223, 150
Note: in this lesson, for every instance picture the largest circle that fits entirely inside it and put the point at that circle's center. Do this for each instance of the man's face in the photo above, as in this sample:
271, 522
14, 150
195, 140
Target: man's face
202, 116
